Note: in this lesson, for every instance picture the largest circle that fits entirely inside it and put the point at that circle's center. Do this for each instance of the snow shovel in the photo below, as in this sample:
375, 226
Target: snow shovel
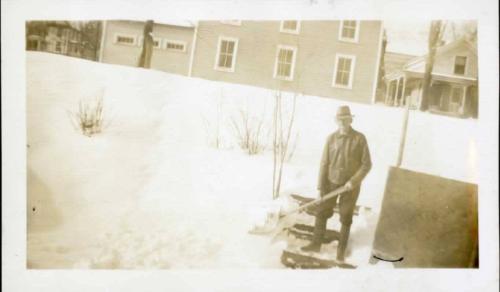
275, 224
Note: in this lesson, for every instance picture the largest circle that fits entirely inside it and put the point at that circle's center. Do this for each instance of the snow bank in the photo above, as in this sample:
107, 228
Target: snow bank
149, 192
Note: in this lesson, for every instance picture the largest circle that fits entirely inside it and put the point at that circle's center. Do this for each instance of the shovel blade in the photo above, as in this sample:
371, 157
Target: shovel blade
273, 227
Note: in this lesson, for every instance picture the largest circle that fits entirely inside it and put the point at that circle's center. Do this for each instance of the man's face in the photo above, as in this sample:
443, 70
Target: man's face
344, 124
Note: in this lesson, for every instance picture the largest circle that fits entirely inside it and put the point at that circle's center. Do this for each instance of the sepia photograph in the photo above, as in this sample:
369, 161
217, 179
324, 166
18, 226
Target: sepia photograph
234, 146
240, 143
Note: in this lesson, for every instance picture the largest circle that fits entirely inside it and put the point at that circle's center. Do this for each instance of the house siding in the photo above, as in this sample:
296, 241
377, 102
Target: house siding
317, 45
446, 62
164, 60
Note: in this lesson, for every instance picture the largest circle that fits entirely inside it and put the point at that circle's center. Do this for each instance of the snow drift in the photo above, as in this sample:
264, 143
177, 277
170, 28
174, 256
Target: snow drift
150, 192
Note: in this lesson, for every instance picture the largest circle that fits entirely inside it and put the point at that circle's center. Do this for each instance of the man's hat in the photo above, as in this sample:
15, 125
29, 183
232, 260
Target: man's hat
344, 112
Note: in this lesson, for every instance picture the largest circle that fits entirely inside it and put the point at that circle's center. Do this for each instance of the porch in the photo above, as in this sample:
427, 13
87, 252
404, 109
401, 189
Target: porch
448, 95
35, 43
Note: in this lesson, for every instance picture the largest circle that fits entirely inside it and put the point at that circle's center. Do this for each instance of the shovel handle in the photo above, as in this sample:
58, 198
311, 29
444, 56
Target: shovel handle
330, 195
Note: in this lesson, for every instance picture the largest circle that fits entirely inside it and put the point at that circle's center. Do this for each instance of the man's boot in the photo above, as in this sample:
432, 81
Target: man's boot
344, 237
319, 231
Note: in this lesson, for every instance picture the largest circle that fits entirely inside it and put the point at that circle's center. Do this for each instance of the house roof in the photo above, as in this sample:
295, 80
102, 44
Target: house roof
184, 23
444, 77
415, 67
443, 49
173, 22
63, 24
394, 62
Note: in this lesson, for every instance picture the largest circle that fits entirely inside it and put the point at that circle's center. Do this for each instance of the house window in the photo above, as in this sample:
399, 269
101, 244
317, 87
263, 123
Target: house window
285, 62
226, 54
125, 40
59, 32
176, 46
460, 62
290, 26
349, 31
344, 71
231, 22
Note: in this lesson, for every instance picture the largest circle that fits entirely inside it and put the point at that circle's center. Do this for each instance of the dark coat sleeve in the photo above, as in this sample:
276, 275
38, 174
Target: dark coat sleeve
366, 163
323, 168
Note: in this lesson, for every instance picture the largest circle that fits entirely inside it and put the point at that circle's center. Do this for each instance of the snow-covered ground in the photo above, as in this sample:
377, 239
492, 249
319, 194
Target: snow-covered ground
151, 191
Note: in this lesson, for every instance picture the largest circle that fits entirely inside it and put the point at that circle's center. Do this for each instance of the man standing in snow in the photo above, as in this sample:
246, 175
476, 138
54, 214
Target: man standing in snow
345, 162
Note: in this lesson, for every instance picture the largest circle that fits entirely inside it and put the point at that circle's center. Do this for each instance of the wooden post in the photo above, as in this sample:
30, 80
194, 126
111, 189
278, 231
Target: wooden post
403, 135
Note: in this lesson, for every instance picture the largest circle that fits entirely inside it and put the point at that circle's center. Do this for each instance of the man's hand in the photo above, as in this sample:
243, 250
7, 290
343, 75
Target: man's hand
348, 186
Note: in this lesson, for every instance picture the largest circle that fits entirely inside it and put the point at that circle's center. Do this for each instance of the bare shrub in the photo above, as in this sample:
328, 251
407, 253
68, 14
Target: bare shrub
90, 116
249, 132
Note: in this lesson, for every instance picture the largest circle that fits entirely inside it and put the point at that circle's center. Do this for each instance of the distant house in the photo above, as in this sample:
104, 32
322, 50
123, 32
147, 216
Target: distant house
454, 86
338, 59
392, 63
59, 37
395, 62
122, 42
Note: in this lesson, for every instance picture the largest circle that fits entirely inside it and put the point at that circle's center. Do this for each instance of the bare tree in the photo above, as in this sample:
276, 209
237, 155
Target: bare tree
91, 37
462, 30
147, 45
281, 140
435, 40
275, 141
381, 87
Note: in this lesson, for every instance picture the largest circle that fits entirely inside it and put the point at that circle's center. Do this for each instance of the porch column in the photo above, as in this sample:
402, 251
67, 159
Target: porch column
403, 91
464, 97
387, 89
66, 44
420, 93
395, 100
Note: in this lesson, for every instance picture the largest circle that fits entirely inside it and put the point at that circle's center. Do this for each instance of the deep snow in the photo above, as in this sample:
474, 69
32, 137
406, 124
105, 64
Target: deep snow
150, 192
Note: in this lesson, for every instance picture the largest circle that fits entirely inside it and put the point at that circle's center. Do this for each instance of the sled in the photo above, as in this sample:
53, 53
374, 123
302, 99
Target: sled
297, 259
303, 231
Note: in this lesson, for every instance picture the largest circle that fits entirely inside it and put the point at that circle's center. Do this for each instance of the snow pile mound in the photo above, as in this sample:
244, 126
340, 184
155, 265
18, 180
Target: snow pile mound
150, 191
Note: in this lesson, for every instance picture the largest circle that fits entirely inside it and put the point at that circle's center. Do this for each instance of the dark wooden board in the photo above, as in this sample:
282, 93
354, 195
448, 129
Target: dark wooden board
297, 260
